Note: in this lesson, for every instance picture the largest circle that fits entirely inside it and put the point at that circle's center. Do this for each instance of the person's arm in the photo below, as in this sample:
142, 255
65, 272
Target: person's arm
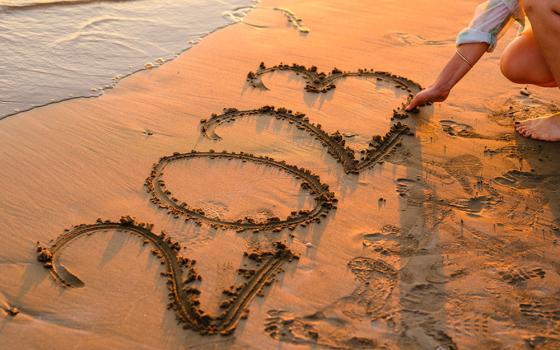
453, 72
490, 19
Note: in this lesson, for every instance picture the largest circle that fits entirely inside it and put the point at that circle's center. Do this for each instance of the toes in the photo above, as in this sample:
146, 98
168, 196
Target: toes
521, 129
529, 132
538, 129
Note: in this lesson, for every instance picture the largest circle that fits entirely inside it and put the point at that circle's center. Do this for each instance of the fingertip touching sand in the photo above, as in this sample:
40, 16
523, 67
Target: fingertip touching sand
533, 57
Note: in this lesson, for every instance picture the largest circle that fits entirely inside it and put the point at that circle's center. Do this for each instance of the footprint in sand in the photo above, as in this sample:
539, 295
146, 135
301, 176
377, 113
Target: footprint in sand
517, 179
454, 128
545, 311
471, 325
390, 242
315, 330
466, 169
520, 108
441, 273
377, 281
418, 193
519, 276
404, 321
425, 297
543, 343
331, 326
406, 39
385, 242
477, 330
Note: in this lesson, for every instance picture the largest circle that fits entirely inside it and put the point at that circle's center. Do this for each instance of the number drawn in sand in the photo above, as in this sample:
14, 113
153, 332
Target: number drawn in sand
320, 82
162, 197
380, 147
180, 274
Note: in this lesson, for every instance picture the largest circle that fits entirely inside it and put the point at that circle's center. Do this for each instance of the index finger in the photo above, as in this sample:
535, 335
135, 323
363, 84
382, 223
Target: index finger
416, 101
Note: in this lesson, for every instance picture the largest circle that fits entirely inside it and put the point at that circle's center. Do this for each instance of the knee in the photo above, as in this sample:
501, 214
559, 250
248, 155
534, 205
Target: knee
512, 68
513, 63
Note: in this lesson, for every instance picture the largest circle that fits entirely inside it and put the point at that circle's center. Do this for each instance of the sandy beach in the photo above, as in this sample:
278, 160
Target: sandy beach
316, 223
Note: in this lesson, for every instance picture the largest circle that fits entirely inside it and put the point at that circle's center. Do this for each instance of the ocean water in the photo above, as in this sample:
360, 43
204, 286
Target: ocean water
60, 49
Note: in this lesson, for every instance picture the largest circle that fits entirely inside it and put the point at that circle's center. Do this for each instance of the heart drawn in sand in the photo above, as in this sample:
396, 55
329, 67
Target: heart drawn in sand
378, 149
320, 82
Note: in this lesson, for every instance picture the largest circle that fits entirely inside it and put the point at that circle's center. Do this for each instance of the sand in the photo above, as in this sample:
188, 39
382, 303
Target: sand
449, 240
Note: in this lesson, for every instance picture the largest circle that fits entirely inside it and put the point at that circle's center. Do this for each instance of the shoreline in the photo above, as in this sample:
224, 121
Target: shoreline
158, 62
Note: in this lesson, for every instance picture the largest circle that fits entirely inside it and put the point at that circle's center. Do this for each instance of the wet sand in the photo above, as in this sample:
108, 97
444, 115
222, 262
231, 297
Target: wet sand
449, 240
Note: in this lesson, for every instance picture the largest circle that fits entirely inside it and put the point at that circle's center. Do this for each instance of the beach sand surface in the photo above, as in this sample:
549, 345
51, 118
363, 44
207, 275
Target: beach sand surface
451, 242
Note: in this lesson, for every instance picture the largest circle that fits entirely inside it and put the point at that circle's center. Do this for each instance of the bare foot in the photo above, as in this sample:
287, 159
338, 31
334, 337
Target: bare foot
544, 128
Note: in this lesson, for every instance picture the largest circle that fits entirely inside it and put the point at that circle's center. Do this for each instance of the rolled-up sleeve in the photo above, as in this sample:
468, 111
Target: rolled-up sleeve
489, 20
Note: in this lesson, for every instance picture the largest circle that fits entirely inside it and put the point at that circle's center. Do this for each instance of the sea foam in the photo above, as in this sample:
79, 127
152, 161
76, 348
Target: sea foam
60, 49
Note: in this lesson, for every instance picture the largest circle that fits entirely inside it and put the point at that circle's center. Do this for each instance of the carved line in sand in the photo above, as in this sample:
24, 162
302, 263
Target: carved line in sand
184, 298
379, 147
293, 20
161, 196
320, 82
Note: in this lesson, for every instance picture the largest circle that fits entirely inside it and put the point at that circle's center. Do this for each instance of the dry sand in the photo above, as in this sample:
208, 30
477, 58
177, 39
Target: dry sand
451, 242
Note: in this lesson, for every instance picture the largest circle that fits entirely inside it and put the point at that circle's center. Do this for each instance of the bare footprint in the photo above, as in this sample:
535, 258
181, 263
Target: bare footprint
454, 128
517, 179
385, 242
441, 272
313, 330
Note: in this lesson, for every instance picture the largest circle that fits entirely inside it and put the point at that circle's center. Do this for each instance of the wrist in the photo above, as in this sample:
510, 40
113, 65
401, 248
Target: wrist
441, 88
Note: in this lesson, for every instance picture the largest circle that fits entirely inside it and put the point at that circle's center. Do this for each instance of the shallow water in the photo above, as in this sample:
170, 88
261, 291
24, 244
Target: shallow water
55, 50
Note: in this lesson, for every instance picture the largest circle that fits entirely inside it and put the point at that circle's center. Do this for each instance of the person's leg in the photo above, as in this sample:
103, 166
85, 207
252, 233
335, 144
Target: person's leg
545, 19
522, 62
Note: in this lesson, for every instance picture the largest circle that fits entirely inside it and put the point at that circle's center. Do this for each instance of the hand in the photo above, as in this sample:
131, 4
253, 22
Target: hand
431, 94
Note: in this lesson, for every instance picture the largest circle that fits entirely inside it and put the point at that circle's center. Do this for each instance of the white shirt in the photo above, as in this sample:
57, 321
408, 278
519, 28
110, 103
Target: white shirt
490, 21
